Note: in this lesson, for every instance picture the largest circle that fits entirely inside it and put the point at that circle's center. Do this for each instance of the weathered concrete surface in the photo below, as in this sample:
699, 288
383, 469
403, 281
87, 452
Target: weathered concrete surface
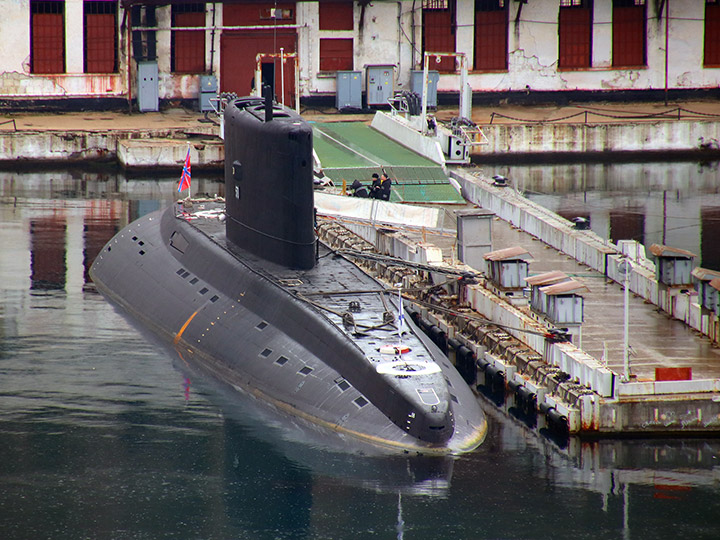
585, 247
561, 138
159, 153
83, 137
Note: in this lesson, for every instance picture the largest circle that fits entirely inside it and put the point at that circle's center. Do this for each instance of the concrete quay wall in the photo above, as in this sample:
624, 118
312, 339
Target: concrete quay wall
132, 149
587, 248
683, 136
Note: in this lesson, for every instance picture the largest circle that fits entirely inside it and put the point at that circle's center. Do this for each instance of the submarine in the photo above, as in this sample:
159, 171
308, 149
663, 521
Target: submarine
243, 289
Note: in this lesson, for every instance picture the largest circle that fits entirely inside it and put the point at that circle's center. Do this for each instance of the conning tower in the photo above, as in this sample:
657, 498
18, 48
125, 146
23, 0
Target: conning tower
268, 182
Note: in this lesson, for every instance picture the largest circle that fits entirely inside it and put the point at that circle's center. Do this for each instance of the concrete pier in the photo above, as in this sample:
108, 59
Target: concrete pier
534, 132
570, 387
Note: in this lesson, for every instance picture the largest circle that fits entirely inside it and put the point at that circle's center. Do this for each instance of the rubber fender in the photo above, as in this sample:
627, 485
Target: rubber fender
494, 372
439, 338
556, 418
514, 386
465, 358
544, 407
455, 344
482, 364
525, 394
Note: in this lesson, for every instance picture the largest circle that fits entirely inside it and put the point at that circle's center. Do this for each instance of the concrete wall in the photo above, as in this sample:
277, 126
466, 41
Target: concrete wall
661, 136
533, 51
16, 81
390, 33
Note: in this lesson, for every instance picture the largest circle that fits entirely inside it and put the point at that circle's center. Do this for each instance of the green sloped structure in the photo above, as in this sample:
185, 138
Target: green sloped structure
354, 151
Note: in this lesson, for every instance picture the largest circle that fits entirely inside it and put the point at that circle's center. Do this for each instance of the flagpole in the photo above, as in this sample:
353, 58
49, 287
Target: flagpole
188, 163
401, 315
185, 176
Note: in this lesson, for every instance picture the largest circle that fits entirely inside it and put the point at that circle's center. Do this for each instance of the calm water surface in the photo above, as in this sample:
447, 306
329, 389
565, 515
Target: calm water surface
104, 435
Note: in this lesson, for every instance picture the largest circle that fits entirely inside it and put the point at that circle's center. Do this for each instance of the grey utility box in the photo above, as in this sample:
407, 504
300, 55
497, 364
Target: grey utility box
474, 232
416, 85
380, 85
147, 98
348, 92
208, 91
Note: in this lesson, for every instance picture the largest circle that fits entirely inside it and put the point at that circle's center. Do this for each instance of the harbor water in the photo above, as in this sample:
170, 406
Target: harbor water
103, 434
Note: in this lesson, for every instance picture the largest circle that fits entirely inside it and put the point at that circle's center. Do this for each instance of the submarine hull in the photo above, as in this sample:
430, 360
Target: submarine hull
246, 292
254, 333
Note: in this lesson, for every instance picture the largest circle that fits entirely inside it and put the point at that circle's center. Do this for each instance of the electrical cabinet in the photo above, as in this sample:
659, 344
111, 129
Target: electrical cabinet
380, 84
416, 85
348, 90
208, 91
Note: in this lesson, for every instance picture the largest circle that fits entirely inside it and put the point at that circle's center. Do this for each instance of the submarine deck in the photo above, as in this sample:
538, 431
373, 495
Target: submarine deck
368, 314
337, 291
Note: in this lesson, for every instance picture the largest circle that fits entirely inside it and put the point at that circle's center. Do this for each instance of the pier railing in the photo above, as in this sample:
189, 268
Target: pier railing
591, 116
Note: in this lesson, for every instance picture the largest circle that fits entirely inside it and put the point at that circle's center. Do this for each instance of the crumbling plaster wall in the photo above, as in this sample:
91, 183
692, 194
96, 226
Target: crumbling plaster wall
533, 51
15, 77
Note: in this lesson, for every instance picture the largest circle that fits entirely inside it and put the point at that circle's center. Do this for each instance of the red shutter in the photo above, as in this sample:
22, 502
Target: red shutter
491, 43
628, 36
189, 44
439, 37
336, 15
712, 35
100, 49
575, 37
336, 54
48, 43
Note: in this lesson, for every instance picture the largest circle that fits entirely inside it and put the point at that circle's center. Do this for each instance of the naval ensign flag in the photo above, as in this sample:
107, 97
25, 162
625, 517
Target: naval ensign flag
185, 176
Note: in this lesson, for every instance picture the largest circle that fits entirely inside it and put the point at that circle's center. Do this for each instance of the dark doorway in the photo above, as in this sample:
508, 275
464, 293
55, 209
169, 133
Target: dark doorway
268, 76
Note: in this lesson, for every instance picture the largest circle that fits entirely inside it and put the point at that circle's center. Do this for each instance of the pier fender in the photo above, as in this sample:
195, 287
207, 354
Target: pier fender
558, 420
482, 363
495, 378
439, 338
466, 364
528, 399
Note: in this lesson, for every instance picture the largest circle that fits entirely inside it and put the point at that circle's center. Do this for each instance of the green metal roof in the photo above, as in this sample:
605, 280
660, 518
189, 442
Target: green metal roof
354, 151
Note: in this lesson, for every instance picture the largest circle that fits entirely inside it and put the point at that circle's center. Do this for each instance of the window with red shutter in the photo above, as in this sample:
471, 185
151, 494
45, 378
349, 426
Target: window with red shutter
491, 35
439, 31
336, 14
336, 54
188, 46
575, 34
712, 34
628, 34
100, 33
47, 36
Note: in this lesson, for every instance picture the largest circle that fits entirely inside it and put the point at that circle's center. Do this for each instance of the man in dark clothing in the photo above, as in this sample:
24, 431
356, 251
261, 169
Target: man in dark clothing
358, 190
385, 188
376, 186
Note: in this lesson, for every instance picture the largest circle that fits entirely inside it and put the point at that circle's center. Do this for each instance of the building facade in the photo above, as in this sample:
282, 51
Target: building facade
59, 49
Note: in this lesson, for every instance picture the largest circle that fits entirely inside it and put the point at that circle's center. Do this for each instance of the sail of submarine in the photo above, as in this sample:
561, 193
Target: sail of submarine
245, 291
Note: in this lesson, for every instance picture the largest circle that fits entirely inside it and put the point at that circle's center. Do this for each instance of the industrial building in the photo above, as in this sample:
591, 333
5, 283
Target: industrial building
128, 50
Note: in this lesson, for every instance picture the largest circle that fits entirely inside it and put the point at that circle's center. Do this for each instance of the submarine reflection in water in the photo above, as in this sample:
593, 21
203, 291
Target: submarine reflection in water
234, 289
